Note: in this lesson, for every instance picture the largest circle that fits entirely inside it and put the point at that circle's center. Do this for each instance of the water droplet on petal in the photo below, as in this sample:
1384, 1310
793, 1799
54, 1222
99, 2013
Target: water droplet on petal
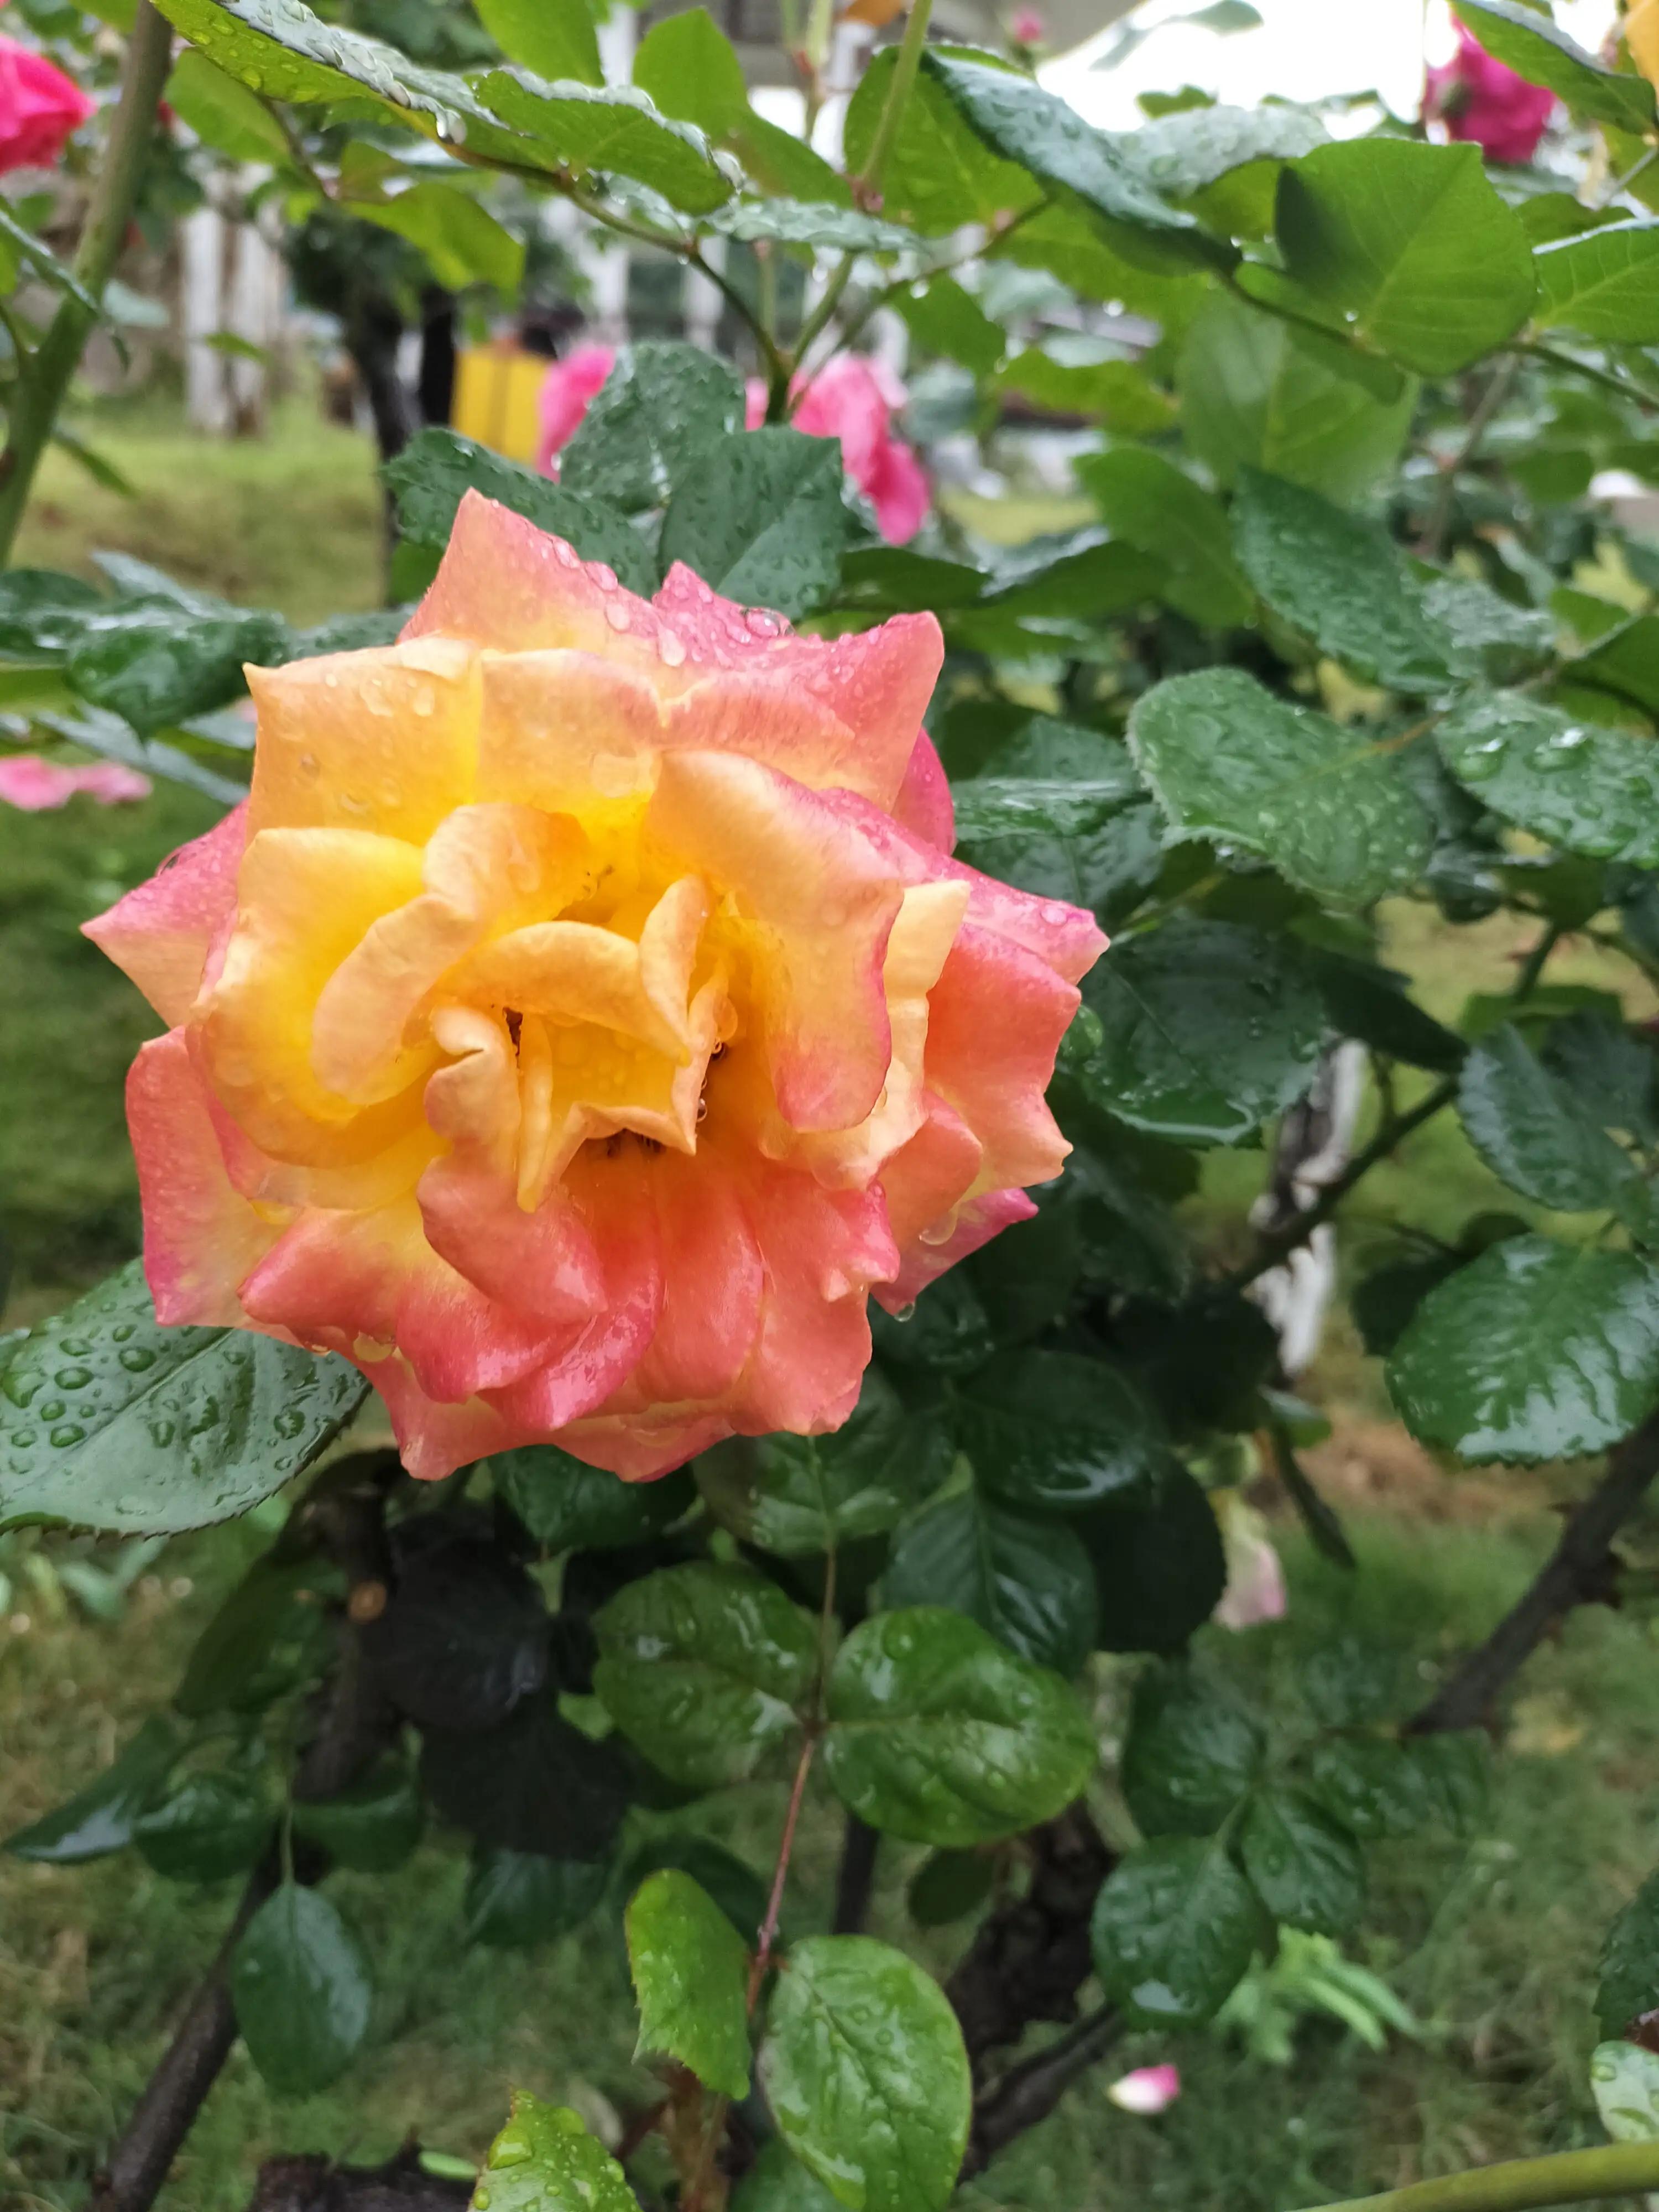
671, 646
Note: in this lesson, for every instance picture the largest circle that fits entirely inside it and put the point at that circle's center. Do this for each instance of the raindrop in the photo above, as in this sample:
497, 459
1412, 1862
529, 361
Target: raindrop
309, 767
162, 1434
72, 1378
603, 577
78, 1348
763, 622
290, 1422
71, 1432
671, 646
617, 614
906, 1313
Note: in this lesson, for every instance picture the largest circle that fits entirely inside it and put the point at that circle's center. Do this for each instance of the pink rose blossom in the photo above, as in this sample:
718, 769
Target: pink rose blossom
1028, 28
569, 389
1482, 101
37, 786
40, 106
1148, 2090
854, 399
1256, 1579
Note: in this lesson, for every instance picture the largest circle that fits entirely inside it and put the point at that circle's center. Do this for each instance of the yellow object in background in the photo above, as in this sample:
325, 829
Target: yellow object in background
496, 390
1642, 37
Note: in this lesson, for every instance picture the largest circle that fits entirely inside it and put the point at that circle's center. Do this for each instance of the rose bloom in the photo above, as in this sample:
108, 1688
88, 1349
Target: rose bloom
37, 785
853, 399
1642, 37
569, 389
40, 106
584, 1014
1484, 102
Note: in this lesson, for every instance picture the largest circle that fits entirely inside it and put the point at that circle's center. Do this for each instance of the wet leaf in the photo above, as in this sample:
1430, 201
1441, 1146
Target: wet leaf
1027, 1581
1191, 1753
517, 1899
303, 1992
1174, 1928
1306, 1867
545, 2160
865, 2071
938, 1734
690, 1970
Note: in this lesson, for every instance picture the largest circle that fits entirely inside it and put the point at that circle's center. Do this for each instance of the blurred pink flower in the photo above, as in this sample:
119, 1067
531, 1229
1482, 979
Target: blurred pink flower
1028, 28
854, 398
1255, 1580
1482, 101
37, 786
568, 391
1148, 2090
39, 108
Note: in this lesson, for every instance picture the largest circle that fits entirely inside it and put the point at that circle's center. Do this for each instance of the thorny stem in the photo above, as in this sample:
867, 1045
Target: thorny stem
1431, 543
1572, 2177
44, 379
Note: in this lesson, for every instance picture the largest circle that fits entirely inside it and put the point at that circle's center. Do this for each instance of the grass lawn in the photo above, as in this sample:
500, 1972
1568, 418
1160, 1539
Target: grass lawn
1491, 1943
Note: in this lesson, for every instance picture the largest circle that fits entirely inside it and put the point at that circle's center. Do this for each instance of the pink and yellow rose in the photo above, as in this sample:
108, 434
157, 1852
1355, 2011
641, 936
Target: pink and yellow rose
584, 1014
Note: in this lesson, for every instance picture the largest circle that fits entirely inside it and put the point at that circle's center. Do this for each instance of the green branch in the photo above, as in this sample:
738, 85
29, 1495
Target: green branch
44, 377
1571, 2177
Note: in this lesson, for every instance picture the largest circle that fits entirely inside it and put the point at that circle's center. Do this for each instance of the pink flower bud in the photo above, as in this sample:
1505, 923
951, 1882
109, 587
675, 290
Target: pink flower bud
40, 106
1481, 100
1148, 2090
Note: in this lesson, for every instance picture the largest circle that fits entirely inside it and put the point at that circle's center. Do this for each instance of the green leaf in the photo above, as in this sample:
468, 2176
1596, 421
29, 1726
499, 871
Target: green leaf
1091, 381
1057, 1430
759, 516
1533, 1132
735, 1886
271, 1633
1155, 506
686, 66
42, 612
659, 407
209, 1825
223, 113
1207, 1029
691, 1970
302, 1990
1611, 1071
939, 174
155, 666
943, 317
866, 2074
1583, 786
283, 51
1180, 154
778, 2182
464, 1636
1027, 1582
704, 1668
1022, 123
1256, 389
1372, 1785
1625, 2078
939, 1734
515, 1900
535, 1784
575, 127
1228, 760
1174, 1928
568, 1506
545, 2160
462, 242
1062, 813
101, 1818
1528, 42
795, 1495
946, 1329
1159, 1567
1305, 1867
1537, 1351
1454, 1772
949, 1885
1410, 245
1338, 580
823, 226
373, 1826
1605, 283
1369, 1002
437, 468
555, 38
107, 1420
1627, 1977
1190, 1754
